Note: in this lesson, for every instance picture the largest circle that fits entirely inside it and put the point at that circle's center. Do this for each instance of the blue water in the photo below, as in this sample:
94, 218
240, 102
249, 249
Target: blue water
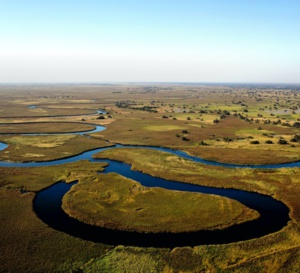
88, 156
98, 128
98, 111
274, 215
3, 146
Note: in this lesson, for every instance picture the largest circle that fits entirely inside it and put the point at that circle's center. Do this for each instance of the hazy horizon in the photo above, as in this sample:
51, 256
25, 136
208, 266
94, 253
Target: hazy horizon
193, 41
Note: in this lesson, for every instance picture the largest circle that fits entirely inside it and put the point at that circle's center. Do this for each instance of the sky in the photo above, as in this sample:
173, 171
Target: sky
56, 41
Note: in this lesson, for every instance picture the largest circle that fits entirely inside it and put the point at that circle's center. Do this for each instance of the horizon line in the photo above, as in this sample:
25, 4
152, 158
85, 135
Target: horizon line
147, 82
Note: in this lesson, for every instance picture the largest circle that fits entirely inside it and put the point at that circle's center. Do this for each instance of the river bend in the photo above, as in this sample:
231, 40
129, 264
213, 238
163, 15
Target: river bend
274, 215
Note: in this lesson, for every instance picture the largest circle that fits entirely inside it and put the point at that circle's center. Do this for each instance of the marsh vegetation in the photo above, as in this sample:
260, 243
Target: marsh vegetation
234, 124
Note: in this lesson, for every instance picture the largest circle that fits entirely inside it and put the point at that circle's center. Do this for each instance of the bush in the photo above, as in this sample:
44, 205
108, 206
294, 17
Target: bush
203, 143
254, 142
296, 138
282, 141
296, 124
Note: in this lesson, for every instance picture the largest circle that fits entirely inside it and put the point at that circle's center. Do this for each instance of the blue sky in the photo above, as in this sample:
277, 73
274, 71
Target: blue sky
146, 41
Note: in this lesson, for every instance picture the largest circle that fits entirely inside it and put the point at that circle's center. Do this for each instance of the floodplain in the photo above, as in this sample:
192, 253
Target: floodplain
238, 124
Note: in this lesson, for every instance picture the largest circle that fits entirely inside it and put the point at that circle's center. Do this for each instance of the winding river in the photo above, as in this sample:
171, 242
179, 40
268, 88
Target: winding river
274, 215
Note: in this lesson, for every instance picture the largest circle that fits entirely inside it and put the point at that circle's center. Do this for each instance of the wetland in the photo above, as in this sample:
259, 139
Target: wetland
230, 141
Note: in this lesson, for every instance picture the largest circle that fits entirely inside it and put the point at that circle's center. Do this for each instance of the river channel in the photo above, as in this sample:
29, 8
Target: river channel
274, 215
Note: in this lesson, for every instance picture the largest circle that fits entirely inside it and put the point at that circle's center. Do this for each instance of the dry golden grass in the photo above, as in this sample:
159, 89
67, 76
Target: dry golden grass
27, 148
116, 202
27, 244
44, 127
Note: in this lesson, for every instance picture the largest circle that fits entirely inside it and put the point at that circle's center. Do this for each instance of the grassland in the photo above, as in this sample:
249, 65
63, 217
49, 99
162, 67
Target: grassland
183, 117
43, 148
44, 127
27, 244
119, 203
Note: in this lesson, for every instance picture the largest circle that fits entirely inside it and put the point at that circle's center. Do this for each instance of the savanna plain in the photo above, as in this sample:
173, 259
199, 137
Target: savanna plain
236, 124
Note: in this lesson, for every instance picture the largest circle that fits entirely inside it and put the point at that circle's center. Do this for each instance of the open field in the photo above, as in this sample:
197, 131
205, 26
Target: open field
235, 124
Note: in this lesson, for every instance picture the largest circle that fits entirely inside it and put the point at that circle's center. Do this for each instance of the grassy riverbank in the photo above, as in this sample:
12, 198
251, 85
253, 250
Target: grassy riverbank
27, 244
45, 127
44, 148
39, 248
279, 183
116, 202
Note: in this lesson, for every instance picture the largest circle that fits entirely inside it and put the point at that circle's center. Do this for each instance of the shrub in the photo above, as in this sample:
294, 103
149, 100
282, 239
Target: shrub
203, 143
282, 141
296, 138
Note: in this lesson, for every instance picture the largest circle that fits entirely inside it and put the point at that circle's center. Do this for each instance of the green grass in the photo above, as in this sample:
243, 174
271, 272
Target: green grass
116, 202
27, 244
43, 148
280, 183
